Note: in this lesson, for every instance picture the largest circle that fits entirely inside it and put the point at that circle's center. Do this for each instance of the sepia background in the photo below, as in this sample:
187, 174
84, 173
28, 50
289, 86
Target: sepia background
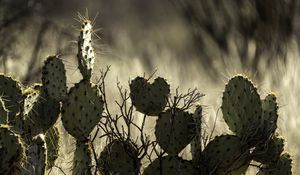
193, 44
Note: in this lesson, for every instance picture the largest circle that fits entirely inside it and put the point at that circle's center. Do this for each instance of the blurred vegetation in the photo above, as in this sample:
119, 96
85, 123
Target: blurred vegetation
206, 25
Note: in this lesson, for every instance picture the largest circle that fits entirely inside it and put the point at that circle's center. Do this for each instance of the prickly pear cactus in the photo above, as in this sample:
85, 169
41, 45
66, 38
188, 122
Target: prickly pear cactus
54, 78
36, 153
86, 55
174, 130
11, 94
270, 151
172, 165
241, 107
119, 157
82, 162
226, 155
270, 116
52, 139
11, 151
149, 99
196, 147
39, 113
282, 167
82, 109
3, 113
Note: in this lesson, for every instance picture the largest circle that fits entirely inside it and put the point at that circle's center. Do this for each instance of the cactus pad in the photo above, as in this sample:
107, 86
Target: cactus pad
52, 139
241, 106
38, 113
226, 154
270, 151
36, 153
172, 165
43, 114
11, 93
82, 109
174, 130
11, 151
282, 167
86, 55
270, 115
54, 78
119, 157
149, 99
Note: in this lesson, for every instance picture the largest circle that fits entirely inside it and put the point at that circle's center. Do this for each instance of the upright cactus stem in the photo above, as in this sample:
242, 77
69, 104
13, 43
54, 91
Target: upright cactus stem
82, 161
86, 55
196, 145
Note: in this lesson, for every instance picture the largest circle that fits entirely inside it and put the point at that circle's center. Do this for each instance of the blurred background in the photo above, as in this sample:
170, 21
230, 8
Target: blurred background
192, 43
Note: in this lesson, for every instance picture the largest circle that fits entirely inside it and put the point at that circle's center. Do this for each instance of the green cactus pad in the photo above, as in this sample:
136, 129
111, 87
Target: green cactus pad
43, 115
149, 99
82, 161
119, 157
11, 151
82, 109
38, 113
54, 78
36, 152
270, 116
270, 151
172, 165
86, 55
3, 113
11, 94
241, 106
282, 167
174, 130
52, 139
226, 154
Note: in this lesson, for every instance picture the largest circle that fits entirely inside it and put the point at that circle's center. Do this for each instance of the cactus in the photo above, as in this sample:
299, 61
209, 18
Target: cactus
11, 94
174, 130
82, 109
241, 106
149, 99
36, 153
270, 116
282, 167
52, 139
196, 146
11, 151
171, 165
119, 157
82, 159
226, 154
39, 113
270, 151
33, 111
54, 78
86, 55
